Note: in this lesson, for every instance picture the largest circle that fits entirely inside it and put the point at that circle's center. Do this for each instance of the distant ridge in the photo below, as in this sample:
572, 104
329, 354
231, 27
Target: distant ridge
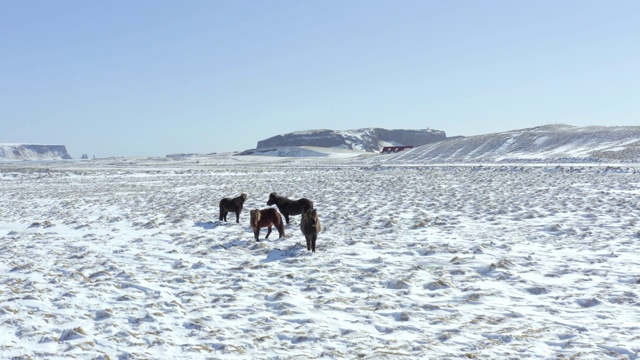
33, 152
556, 142
366, 139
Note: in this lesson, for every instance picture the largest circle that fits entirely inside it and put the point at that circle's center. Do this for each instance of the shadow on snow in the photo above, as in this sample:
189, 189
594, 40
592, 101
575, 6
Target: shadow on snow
207, 224
289, 252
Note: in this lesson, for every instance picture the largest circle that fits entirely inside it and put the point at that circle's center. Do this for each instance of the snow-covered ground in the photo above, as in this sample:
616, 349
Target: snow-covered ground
125, 259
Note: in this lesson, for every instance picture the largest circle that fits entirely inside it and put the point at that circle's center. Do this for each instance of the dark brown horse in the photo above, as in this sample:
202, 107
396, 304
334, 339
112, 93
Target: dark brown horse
228, 205
266, 218
289, 207
310, 226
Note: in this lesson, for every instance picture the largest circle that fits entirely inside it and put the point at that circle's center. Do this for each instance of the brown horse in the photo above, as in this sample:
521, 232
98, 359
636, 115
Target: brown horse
266, 218
310, 226
290, 207
228, 205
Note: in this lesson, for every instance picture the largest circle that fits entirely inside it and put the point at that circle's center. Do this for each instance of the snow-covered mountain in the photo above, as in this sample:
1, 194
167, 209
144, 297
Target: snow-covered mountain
367, 139
33, 152
560, 143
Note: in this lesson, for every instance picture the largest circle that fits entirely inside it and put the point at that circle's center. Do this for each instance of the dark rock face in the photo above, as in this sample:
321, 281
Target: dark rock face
33, 152
324, 138
411, 137
370, 139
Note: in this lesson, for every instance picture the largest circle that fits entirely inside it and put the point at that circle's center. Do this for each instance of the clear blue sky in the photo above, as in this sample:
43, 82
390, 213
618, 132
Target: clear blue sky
150, 78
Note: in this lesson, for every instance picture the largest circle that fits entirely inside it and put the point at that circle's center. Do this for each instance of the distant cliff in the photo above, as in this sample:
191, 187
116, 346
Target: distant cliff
368, 139
33, 152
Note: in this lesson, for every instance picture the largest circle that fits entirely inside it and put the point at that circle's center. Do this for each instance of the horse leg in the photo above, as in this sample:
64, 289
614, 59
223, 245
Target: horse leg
280, 228
256, 234
268, 232
313, 242
308, 242
238, 216
286, 217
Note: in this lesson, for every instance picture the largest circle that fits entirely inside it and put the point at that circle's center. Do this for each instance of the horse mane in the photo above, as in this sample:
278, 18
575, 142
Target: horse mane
311, 216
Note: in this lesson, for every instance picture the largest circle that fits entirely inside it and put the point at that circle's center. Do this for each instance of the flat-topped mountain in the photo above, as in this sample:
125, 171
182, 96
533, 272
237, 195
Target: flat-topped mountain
368, 139
33, 152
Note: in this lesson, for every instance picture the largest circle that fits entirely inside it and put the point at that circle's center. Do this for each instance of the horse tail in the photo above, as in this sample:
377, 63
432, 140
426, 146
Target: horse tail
280, 225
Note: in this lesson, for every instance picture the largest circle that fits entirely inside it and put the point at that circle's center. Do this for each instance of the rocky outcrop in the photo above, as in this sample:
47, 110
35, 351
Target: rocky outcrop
33, 152
369, 139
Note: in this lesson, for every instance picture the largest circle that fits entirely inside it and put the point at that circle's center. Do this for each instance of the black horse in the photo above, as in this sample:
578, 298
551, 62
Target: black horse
228, 205
290, 207
310, 226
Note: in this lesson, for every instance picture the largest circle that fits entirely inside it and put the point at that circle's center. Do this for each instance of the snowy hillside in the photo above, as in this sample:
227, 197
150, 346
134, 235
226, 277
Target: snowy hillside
305, 151
33, 152
559, 143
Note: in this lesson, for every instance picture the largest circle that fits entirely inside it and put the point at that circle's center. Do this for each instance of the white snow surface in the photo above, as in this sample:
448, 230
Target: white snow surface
126, 259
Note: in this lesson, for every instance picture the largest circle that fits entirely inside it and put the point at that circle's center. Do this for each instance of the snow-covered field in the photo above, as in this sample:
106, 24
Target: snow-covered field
125, 259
